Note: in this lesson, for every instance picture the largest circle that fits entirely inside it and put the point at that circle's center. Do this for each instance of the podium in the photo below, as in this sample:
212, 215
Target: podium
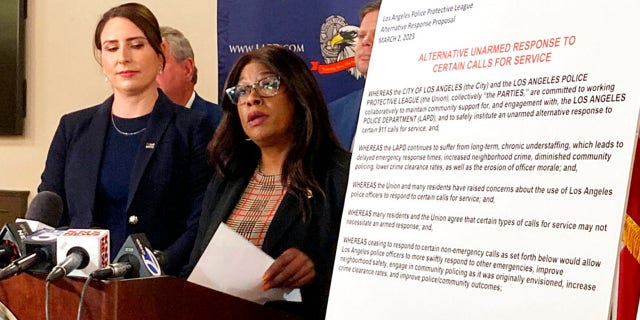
163, 297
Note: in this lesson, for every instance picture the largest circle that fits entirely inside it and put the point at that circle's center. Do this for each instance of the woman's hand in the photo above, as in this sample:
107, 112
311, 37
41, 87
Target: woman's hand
292, 269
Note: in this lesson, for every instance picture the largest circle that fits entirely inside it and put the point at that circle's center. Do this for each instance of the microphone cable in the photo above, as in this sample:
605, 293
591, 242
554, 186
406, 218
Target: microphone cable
80, 303
46, 300
84, 289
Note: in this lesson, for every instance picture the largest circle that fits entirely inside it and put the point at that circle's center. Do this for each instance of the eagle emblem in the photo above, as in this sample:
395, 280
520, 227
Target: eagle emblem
338, 42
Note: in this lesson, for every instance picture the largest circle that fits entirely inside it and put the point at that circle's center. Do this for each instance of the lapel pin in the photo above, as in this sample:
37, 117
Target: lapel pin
150, 145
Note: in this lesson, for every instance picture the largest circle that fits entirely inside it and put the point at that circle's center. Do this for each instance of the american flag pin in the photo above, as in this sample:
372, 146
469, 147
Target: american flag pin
150, 145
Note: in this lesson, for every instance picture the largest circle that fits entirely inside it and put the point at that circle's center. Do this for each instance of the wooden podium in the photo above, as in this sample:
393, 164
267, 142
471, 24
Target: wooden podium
148, 298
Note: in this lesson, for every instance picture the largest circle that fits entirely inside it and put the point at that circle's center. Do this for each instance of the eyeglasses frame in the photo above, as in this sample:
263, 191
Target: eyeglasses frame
235, 100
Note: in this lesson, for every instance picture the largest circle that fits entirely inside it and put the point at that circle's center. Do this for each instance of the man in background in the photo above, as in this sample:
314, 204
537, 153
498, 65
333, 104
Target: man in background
344, 111
180, 75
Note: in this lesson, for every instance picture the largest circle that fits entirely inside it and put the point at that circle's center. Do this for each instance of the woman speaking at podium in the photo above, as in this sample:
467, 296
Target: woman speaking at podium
281, 175
135, 163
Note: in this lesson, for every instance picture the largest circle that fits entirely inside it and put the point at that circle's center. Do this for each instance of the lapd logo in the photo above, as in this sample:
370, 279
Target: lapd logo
337, 43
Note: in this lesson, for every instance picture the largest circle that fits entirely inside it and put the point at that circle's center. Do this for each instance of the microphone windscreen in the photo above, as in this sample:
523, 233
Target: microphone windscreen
46, 207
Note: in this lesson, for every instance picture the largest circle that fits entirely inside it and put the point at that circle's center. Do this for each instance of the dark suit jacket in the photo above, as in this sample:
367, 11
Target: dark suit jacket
213, 111
344, 113
317, 235
168, 178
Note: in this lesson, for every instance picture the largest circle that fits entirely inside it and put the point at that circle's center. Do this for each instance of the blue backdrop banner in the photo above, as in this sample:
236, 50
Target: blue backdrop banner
321, 32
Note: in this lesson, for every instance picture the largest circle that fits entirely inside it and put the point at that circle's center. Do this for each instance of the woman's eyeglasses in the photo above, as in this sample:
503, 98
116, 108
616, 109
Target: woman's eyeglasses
267, 87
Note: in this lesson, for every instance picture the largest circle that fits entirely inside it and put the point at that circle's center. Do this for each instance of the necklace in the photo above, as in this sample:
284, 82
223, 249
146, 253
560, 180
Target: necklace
123, 132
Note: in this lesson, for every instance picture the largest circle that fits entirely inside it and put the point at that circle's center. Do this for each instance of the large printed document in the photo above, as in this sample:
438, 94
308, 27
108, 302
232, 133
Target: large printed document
491, 163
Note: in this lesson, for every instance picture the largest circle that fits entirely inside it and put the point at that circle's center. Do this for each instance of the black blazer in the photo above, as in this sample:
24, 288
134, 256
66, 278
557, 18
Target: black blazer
168, 178
211, 109
316, 236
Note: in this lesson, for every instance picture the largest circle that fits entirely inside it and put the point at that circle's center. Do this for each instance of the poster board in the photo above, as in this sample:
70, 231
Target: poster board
308, 28
491, 163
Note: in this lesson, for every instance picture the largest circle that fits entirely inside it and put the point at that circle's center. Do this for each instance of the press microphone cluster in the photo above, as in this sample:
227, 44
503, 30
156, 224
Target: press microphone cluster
76, 252
85, 253
45, 209
32, 245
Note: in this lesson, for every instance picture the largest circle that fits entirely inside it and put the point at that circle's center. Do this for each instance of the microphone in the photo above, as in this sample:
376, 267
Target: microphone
12, 238
135, 259
113, 270
46, 207
22, 264
77, 258
80, 252
40, 254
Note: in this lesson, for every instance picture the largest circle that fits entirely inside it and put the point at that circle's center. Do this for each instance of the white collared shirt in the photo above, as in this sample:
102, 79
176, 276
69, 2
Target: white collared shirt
190, 102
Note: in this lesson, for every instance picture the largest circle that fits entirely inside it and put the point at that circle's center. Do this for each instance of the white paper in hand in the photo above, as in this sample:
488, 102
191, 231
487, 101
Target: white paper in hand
233, 265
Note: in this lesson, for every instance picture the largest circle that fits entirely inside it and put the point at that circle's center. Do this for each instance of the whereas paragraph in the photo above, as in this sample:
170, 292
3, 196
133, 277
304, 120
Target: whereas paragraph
429, 221
536, 156
467, 268
424, 108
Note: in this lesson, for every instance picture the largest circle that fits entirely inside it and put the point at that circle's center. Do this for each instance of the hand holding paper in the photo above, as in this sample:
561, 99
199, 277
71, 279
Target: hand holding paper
235, 266
292, 269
